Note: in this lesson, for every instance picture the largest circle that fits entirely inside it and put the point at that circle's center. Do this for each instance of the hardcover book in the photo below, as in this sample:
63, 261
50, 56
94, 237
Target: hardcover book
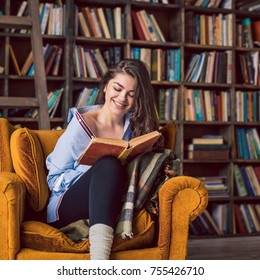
123, 150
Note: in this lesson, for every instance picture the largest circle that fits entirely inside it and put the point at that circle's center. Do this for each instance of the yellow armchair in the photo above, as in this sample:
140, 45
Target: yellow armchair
24, 234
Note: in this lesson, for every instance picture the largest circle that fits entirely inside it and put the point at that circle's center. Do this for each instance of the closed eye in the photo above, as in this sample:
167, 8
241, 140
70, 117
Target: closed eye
117, 89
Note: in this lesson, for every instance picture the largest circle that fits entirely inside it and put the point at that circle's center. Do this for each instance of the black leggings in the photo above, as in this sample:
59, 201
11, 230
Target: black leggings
96, 195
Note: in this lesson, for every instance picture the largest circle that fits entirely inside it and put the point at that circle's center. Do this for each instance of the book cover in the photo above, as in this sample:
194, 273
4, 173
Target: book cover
148, 25
103, 22
97, 27
249, 187
84, 29
99, 147
110, 21
208, 140
27, 64
143, 26
137, 27
240, 223
207, 147
16, 66
50, 60
117, 20
214, 155
90, 22
240, 184
57, 62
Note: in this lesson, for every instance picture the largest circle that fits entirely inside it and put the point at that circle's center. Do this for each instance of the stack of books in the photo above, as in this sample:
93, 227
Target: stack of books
208, 147
215, 185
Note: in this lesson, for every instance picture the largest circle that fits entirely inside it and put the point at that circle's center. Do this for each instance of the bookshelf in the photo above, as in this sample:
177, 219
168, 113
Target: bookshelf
187, 31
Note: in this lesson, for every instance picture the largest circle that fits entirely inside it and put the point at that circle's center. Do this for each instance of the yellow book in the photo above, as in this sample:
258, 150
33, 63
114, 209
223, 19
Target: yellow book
16, 66
123, 150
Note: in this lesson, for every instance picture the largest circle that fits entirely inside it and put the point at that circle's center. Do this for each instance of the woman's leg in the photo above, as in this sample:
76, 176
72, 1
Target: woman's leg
96, 196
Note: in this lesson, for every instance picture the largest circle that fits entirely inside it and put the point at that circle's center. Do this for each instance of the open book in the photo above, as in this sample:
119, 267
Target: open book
123, 150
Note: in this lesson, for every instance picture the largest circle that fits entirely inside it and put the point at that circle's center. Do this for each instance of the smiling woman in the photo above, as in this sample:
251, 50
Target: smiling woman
95, 192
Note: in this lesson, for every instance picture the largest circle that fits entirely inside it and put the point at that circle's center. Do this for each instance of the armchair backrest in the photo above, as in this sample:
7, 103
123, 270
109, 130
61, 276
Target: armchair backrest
29, 149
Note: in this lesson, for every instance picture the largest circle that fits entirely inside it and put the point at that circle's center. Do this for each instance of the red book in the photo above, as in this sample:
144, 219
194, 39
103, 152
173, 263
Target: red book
123, 150
57, 62
257, 172
138, 28
240, 226
51, 59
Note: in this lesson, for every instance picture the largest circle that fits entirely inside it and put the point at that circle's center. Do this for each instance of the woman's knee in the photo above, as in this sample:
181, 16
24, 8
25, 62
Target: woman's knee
110, 165
109, 175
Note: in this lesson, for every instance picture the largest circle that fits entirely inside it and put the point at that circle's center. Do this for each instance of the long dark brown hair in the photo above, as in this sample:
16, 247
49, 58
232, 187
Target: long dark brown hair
144, 117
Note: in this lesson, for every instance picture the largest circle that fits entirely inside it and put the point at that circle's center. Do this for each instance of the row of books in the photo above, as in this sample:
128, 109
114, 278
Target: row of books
207, 29
247, 106
206, 105
250, 67
94, 63
248, 143
146, 26
252, 5
52, 61
154, 1
164, 65
89, 62
210, 67
54, 103
247, 217
86, 96
54, 99
247, 179
244, 33
168, 103
52, 18
224, 4
99, 22
215, 222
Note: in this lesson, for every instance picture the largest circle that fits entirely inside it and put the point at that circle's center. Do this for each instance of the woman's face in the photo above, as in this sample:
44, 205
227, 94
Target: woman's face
119, 93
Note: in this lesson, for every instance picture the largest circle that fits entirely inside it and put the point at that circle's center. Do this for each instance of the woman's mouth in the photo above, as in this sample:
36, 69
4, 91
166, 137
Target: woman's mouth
119, 104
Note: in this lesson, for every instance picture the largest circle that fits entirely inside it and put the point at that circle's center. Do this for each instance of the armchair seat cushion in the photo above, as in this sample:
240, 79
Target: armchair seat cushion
43, 237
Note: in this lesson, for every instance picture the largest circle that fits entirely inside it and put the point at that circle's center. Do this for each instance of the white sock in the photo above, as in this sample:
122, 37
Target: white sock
101, 240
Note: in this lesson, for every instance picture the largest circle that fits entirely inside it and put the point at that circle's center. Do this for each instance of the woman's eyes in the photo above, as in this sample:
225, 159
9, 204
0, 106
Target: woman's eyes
117, 89
131, 94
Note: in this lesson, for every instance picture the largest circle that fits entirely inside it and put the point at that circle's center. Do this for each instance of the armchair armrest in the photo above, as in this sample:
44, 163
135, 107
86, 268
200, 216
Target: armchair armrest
181, 200
12, 197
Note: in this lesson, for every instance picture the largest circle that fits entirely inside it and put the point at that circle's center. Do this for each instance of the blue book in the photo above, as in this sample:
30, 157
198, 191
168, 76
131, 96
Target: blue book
248, 185
245, 102
177, 65
249, 218
204, 3
242, 145
197, 73
197, 105
92, 97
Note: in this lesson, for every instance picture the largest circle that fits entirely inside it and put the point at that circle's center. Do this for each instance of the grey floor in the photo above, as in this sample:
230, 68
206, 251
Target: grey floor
228, 248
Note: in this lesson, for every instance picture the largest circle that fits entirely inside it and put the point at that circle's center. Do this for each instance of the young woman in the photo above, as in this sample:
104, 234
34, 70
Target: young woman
96, 192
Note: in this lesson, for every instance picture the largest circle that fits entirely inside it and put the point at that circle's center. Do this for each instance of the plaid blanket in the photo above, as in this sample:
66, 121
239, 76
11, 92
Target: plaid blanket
146, 174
